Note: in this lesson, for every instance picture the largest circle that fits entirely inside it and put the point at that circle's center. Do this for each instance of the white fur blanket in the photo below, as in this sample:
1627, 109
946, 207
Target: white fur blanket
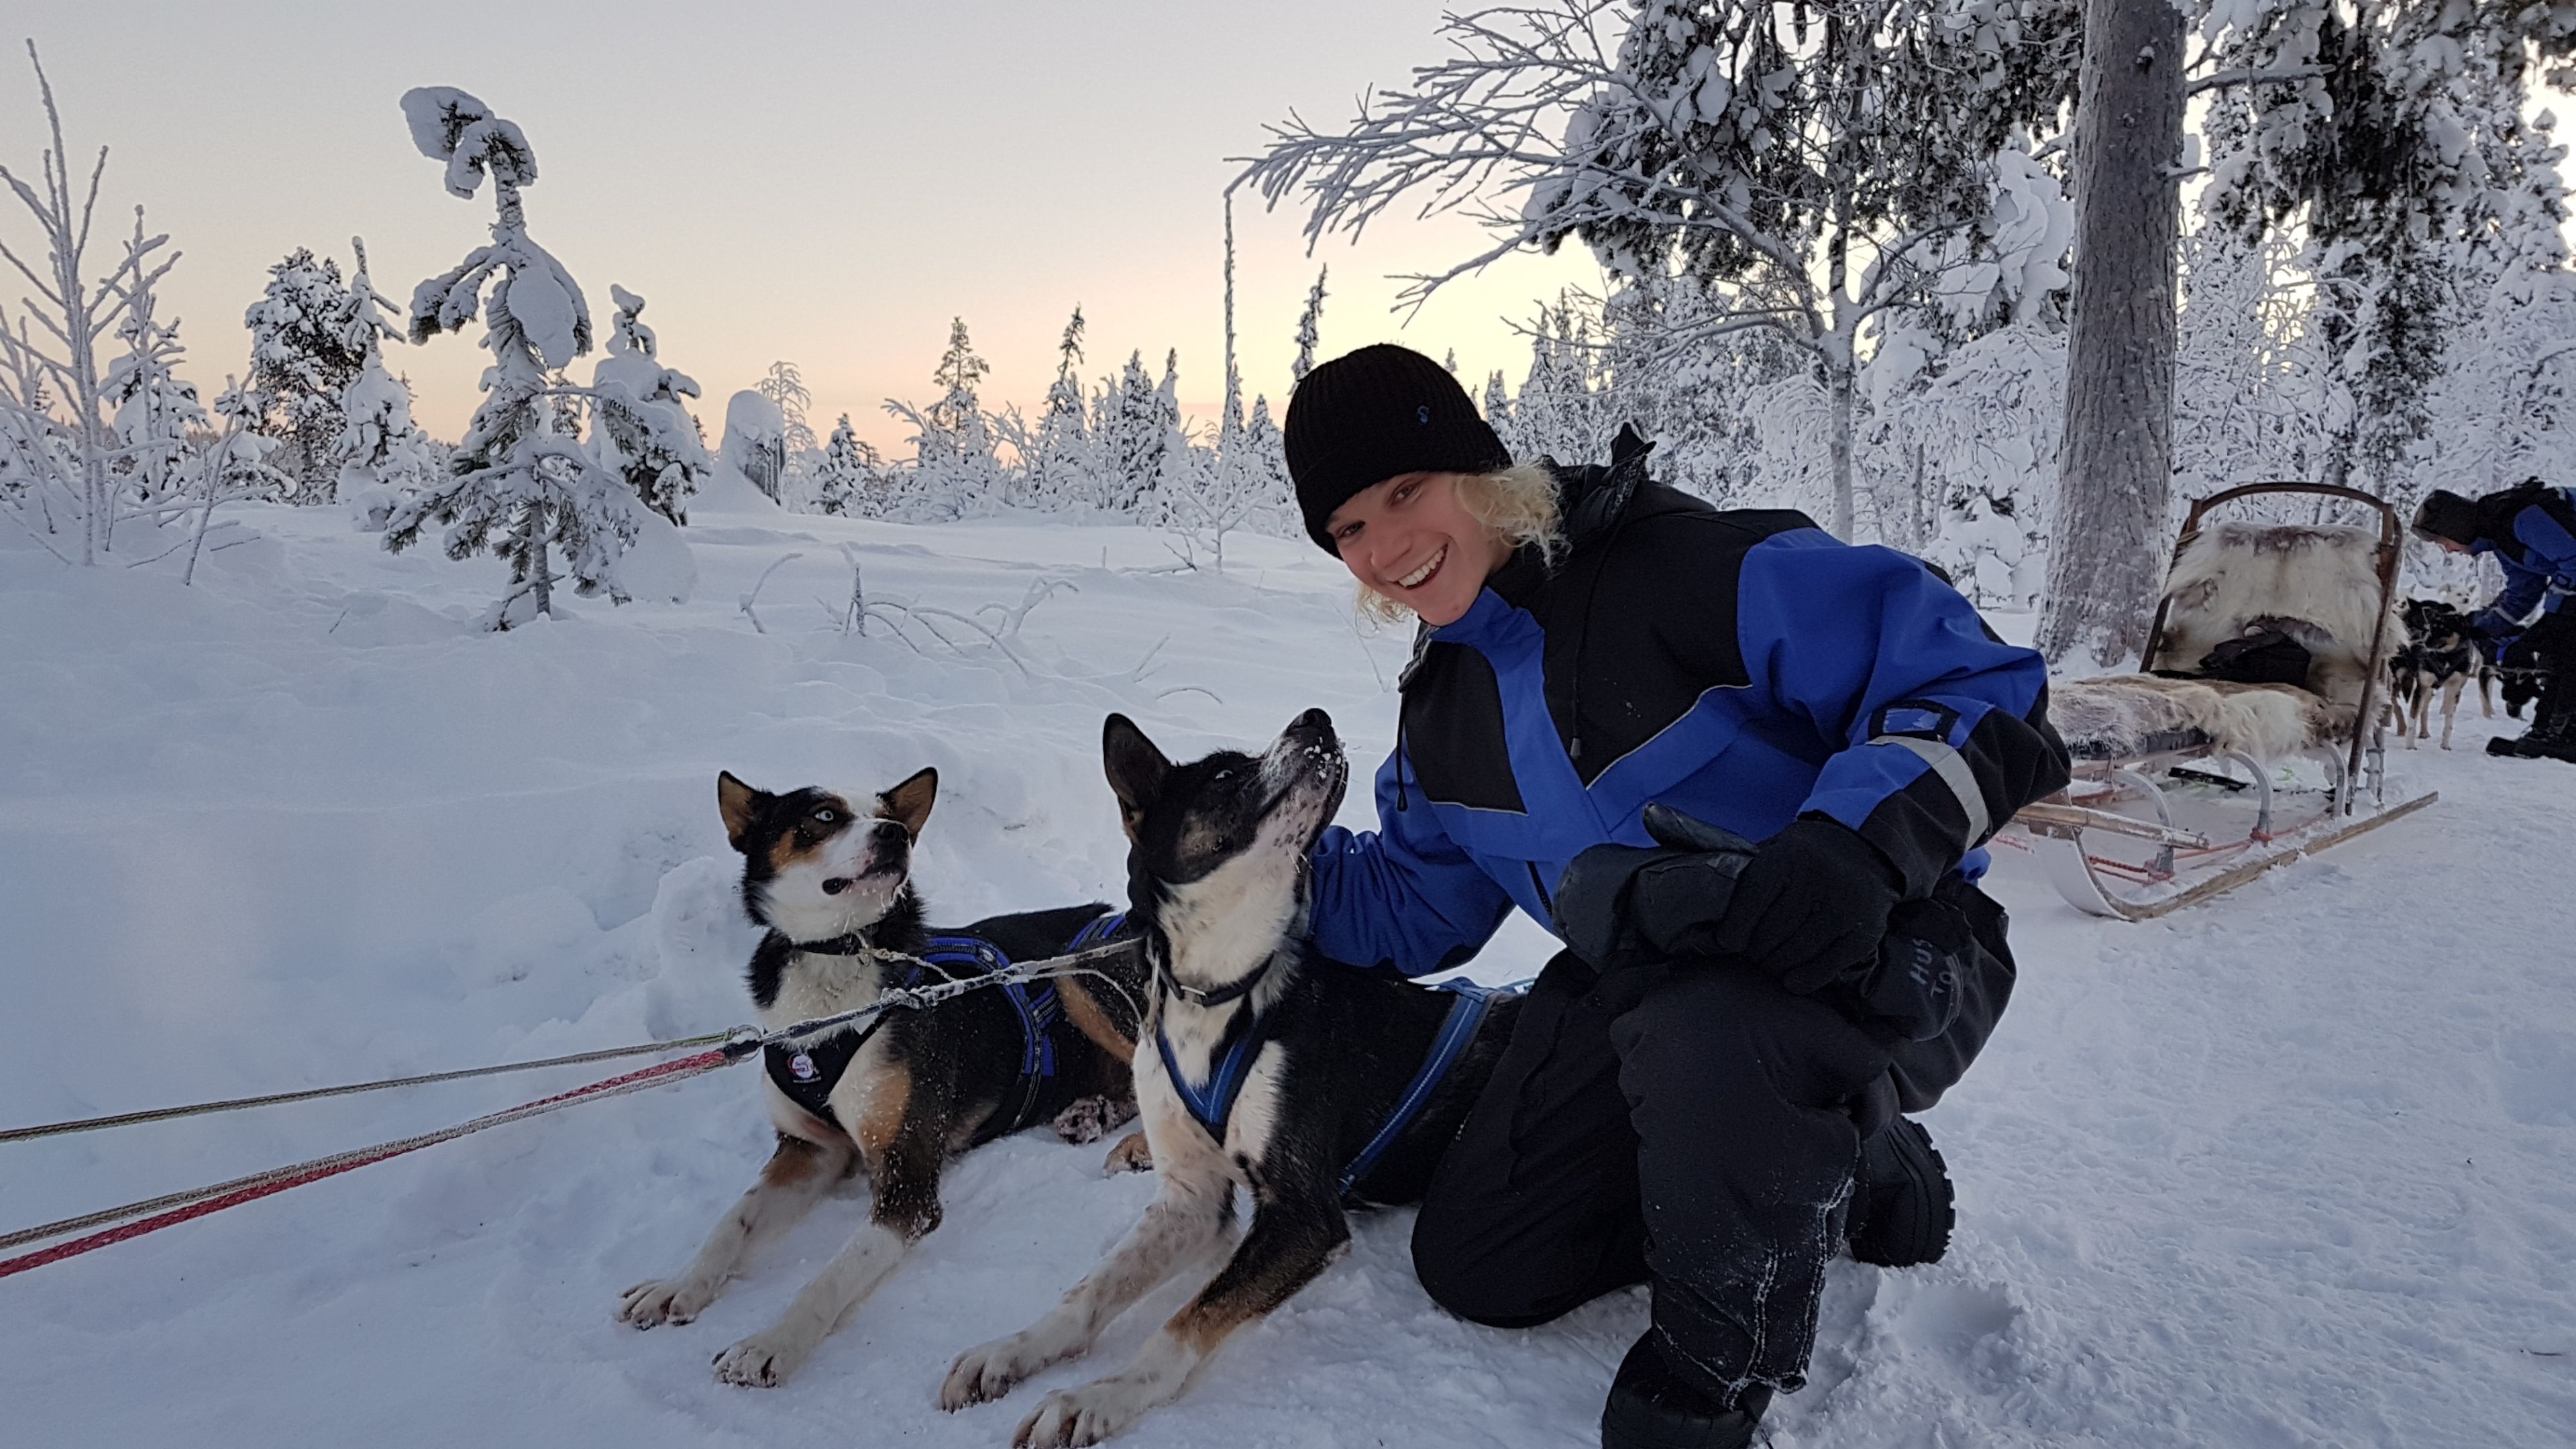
2319, 584
2125, 716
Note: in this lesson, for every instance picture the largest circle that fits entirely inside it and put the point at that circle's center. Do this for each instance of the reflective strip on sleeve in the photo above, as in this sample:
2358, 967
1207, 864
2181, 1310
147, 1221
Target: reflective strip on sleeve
1954, 772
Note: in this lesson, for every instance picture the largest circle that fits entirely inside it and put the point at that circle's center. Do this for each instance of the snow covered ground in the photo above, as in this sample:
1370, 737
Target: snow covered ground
2289, 1169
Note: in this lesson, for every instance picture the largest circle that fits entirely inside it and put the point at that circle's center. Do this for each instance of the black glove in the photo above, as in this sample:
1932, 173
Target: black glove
1914, 981
1812, 905
1618, 903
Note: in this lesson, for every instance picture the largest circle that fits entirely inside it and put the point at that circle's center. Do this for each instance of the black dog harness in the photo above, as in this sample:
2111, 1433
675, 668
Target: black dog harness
1213, 1105
808, 1074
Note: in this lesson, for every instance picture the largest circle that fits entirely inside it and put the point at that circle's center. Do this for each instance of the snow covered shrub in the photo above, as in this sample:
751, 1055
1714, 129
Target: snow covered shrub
644, 431
516, 485
755, 441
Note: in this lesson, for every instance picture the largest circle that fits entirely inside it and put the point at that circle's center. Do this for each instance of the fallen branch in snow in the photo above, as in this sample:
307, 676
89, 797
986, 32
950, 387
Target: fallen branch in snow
750, 598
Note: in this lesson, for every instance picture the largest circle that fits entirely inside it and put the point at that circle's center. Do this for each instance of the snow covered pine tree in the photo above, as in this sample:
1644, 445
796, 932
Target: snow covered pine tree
644, 431
514, 474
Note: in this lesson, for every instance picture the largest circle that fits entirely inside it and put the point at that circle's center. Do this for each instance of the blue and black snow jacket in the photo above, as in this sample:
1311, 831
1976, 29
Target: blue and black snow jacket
1742, 667
2531, 530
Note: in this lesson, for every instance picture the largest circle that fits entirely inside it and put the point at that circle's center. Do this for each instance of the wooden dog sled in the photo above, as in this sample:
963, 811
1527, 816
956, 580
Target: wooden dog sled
2186, 786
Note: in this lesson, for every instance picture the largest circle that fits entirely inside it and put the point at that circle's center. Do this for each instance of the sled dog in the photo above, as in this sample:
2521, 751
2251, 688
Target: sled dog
2439, 659
829, 875
1308, 1082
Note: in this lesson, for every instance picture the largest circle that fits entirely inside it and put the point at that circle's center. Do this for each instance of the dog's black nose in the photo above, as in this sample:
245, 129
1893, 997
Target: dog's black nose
1313, 719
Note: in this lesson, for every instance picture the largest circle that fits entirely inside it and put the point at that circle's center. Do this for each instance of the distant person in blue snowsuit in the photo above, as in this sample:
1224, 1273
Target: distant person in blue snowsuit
2531, 530
1743, 771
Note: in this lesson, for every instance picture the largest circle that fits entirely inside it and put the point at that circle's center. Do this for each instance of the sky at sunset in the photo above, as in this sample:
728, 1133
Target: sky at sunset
827, 184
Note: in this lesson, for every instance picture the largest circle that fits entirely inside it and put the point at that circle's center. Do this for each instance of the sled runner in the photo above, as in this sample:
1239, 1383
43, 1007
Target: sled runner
2252, 736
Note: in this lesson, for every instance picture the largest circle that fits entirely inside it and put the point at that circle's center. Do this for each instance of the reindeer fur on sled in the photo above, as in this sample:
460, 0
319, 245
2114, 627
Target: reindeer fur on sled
2317, 584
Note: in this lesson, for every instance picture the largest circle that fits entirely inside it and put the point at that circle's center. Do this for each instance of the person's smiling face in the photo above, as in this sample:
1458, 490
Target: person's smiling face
1412, 539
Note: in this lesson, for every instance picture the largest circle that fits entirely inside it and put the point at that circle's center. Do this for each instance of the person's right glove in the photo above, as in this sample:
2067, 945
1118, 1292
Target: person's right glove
1812, 904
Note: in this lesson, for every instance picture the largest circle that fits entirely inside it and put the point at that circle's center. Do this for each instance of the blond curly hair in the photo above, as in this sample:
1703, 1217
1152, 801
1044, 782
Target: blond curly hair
1517, 504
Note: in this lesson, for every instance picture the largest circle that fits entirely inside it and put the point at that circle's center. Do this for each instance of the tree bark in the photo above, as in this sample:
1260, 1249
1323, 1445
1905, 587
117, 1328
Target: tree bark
2115, 463
1838, 439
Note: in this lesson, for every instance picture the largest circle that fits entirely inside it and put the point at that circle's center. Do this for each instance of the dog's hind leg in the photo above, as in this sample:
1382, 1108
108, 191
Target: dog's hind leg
904, 1151
797, 1176
1188, 1216
1291, 1239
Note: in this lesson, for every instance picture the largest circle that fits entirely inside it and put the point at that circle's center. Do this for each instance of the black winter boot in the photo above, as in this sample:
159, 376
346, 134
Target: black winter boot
1901, 1208
1651, 1407
2552, 735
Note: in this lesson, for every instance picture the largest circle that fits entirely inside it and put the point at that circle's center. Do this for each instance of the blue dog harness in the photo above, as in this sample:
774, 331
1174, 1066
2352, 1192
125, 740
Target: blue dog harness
808, 1074
1212, 1106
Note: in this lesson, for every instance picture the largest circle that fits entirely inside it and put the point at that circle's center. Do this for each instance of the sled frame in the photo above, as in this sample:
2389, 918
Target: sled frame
2355, 773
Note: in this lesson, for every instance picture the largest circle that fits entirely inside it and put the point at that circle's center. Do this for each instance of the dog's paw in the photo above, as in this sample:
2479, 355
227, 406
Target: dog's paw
676, 1300
988, 1371
764, 1360
1085, 1415
1130, 1155
1093, 1118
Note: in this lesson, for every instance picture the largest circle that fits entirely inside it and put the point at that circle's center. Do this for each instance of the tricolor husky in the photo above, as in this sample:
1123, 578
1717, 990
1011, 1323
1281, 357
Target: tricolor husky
899, 1095
1307, 1082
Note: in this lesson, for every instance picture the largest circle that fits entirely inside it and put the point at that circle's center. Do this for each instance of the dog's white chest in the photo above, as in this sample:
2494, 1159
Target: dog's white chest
1171, 1127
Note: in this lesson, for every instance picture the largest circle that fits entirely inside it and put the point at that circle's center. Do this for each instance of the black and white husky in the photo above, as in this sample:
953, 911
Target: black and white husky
1306, 1082
897, 1097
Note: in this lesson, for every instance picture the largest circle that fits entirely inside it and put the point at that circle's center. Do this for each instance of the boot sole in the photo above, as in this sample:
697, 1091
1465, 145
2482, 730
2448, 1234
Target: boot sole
1925, 1236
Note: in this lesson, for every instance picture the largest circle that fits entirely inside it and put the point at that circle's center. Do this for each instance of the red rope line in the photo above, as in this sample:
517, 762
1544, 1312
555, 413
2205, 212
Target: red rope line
204, 1201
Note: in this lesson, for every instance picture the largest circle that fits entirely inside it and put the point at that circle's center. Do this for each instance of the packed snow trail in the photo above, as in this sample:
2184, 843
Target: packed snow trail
2284, 1169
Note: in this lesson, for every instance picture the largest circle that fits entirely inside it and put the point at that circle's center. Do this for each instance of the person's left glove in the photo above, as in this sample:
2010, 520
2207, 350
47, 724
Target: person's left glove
1811, 905
1618, 903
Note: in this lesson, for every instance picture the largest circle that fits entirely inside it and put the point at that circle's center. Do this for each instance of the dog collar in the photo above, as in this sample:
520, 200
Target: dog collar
849, 943
1204, 996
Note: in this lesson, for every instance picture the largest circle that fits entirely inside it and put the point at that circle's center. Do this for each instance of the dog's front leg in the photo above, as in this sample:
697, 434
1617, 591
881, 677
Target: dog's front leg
1293, 1237
1190, 1213
2451, 688
904, 1150
798, 1174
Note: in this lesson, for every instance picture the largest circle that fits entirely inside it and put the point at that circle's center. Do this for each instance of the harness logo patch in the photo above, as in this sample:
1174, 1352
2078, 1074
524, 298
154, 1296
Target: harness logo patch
801, 1067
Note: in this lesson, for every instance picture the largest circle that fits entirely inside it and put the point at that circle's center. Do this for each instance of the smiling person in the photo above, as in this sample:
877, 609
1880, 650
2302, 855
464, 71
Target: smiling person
1743, 771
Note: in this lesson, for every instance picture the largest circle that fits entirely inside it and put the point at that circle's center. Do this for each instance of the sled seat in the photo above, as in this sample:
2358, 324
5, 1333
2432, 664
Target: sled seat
2132, 717
2316, 586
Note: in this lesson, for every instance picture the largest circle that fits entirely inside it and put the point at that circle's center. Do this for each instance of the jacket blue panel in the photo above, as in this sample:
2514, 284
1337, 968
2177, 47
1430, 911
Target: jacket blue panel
1832, 636
2545, 572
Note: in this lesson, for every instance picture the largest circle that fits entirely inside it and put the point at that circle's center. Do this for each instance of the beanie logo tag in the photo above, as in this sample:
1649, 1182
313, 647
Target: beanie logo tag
1422, 414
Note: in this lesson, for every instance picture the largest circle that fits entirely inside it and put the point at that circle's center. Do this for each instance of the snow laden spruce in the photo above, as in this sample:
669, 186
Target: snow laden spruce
518, 485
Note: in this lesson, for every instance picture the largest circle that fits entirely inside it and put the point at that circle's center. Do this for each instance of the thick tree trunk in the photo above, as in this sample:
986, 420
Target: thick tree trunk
2107, 545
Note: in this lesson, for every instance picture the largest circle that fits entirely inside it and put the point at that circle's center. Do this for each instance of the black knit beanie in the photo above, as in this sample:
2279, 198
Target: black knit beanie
1364, 417
2445, 514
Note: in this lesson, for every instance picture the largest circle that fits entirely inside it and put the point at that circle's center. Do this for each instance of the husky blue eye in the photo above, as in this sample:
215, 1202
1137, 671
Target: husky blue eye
825, 817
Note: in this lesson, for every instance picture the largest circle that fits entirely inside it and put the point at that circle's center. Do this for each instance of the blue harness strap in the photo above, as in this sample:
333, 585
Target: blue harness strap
807, 1075
1212, 1106
1466, 1014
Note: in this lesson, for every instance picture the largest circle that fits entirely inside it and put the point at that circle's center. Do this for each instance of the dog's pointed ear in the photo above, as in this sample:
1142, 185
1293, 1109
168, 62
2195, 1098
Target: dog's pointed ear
737, 803
908, 804
1136, 769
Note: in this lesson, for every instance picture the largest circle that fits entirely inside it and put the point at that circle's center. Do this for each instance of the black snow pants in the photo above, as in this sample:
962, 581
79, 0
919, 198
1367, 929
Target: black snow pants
2549, 646
1688, 1124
